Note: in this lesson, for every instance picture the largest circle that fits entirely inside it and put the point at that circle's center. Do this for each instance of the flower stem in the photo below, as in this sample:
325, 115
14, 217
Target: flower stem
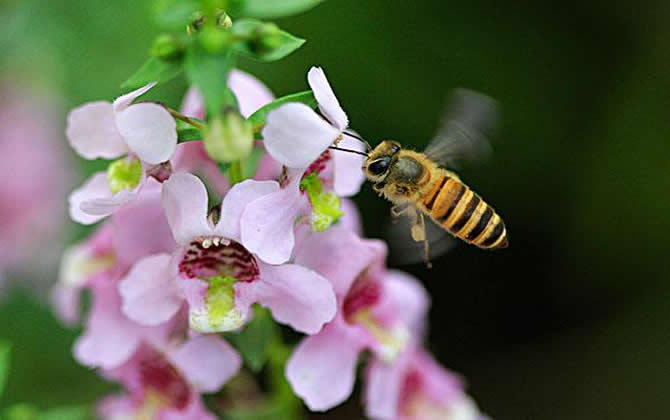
178, 115
235, 172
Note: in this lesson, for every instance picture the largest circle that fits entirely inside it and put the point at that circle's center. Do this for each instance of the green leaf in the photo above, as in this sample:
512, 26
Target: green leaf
264, 41
188, 134
254, 341
258, 118
271, 9
4, 364
153, 70
174, 14
210, 72
66, 413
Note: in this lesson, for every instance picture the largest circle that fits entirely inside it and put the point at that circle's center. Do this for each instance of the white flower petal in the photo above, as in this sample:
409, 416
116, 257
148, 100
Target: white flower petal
295, 135
149, 131
122, 102
325, 96
92, 132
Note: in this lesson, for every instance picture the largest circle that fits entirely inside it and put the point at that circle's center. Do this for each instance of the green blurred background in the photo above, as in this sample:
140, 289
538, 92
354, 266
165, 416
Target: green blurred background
571, 321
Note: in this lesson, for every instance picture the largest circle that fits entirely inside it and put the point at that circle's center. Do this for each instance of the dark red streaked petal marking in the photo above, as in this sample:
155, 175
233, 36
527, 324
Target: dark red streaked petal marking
219, 260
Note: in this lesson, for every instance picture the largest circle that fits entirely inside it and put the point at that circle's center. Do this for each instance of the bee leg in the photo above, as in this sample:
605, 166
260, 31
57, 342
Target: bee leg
398, 210
419, 234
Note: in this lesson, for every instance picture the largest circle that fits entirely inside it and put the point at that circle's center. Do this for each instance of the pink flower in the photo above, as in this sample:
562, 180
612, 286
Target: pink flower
298, 137
416, 387
379, 310
145, 132
35, 173
113, 248
111, 130
166, 382
218, 271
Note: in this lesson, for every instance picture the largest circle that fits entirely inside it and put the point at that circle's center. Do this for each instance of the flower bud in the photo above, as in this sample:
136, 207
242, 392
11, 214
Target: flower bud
214, 39
267, 37
229, 137
166, 47
124, 174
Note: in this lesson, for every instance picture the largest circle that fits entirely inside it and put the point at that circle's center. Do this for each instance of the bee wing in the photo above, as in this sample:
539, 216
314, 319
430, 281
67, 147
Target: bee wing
469, 120
404, 250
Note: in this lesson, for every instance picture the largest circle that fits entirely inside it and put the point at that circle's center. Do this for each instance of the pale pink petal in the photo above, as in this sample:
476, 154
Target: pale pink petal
207, 362
322, 368
383, 386
144, 215
149, 131
236, 201
193, 104
94, 187
185, 202
325, 252
295, 135
149, 291
250, 92
404, 299
115, 407
296, 296
65, 301
92, 131
328, 104
122, 102
110, 339
94, 200
268, 169
351, 218
267, 223
348, 170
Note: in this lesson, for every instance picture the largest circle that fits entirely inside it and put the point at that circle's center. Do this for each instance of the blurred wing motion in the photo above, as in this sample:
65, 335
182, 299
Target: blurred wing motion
469, 120
404, 250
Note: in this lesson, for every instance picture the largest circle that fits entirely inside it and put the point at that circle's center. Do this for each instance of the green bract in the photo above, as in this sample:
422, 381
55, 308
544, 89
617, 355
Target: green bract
270, 9
264, 41
4, 365
124, 174
325, 205
154, 70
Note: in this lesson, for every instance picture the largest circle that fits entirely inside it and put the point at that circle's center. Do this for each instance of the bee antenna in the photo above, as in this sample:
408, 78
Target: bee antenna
349, 150
359, 138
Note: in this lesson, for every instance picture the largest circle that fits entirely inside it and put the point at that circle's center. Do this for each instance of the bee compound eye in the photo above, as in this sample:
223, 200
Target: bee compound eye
379, 166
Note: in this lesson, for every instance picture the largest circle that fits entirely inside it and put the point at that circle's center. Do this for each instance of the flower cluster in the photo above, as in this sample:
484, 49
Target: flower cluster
186, 255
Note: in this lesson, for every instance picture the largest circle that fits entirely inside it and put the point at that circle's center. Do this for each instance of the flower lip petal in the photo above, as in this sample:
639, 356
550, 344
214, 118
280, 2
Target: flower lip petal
150, 296
184, 199
149, 131
123, 101
328, 104
92, 132
294, 294
207, 361
295, 135
322, 368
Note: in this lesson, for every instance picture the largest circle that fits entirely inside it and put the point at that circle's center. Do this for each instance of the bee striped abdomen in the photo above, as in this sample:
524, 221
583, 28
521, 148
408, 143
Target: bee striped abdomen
464, 214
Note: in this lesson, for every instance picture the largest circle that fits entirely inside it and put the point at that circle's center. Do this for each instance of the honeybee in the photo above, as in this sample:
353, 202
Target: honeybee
418, 184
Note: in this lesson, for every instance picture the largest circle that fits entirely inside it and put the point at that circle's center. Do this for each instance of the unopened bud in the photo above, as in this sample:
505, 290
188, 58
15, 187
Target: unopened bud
166, 47
267, 37
229, 137
215, 39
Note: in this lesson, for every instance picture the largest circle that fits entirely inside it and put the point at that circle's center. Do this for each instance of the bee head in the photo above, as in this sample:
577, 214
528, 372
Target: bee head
379, 160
